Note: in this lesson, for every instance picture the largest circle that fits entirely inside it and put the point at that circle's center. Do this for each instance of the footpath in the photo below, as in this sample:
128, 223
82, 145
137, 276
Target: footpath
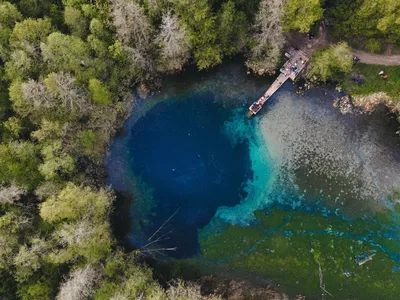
377, 59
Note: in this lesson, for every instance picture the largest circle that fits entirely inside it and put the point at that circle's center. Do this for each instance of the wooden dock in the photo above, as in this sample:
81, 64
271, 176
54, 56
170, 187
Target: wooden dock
296, 63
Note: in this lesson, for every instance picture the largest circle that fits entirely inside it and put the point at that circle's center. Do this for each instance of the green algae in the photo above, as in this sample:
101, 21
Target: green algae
289, 246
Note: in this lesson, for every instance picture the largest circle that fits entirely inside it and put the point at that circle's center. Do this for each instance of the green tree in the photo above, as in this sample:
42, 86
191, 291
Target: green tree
331, 62
203, 31
99, 92
381, 17
20, 66
66, 53
28, 34
301, 14
232, 29
9, 15
75, 202
19, 163
82, 230
56, 163
76, 21
12, 225
376, 19
30, 259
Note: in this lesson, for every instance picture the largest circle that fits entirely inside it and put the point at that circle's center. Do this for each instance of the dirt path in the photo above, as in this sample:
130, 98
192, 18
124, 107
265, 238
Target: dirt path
300, 40
377, 59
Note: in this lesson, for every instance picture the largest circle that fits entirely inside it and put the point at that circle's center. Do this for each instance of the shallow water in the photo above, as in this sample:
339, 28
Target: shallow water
297, 188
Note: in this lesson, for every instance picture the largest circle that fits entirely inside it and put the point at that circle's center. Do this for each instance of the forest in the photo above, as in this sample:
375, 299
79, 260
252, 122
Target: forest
67, 70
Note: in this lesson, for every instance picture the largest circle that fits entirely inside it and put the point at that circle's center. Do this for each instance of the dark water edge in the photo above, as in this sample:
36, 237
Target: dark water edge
380, 127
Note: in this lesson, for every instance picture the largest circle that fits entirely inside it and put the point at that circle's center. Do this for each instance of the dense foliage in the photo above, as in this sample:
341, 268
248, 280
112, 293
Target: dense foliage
66, 69
331, 62
371, 22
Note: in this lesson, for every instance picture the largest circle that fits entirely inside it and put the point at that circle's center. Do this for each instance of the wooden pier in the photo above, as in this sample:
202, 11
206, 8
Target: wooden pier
296, 63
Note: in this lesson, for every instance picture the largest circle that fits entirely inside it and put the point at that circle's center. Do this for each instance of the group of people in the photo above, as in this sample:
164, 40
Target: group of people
293, 69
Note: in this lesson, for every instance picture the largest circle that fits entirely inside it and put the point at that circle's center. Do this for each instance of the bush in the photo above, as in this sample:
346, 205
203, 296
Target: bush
373, 46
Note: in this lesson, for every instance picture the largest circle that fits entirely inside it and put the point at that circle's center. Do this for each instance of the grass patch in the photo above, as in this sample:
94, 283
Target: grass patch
373, 82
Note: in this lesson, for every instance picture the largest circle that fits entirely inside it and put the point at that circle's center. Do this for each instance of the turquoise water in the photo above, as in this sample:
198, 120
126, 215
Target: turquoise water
296, 188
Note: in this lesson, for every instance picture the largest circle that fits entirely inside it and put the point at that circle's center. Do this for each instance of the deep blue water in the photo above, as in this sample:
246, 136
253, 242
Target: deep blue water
180, 150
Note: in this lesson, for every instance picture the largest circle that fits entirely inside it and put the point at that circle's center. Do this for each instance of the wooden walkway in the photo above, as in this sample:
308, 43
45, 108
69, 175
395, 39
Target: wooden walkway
296, 63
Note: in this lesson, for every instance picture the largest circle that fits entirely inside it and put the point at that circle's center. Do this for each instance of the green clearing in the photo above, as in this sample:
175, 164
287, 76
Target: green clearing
287, 246
373, 82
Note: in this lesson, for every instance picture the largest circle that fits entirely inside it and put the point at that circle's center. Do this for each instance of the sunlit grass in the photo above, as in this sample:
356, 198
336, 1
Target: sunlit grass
373, 81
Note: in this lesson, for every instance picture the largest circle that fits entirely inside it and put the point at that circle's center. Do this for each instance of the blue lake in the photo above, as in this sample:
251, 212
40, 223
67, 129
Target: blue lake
190, 152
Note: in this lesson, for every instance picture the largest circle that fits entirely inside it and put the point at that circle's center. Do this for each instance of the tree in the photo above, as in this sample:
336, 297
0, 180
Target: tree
66, 92
28, 34
201, 24
331, 62
19, 66
29, 259
56, 163
74, 202
131, 24
14, 127
58, 96
174, 42
19, 163
11, 194
232, 29
48, 130
382, 17
125, 278
12, 225
9, 15
268, 38
82, 239
66, 53
76, 21
99, 92
80, 284
82, 230
301, 14
136, 34
377, 19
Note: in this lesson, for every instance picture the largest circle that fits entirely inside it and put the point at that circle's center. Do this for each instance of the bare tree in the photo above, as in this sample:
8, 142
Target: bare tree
268, 36
80, 284
73, 98
131, 23
180, 290
139, 60
34, 93
11, 194
76, 233
174, 42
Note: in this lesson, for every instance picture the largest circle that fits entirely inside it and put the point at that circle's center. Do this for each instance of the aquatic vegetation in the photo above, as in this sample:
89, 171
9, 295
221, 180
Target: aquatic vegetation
288, 246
